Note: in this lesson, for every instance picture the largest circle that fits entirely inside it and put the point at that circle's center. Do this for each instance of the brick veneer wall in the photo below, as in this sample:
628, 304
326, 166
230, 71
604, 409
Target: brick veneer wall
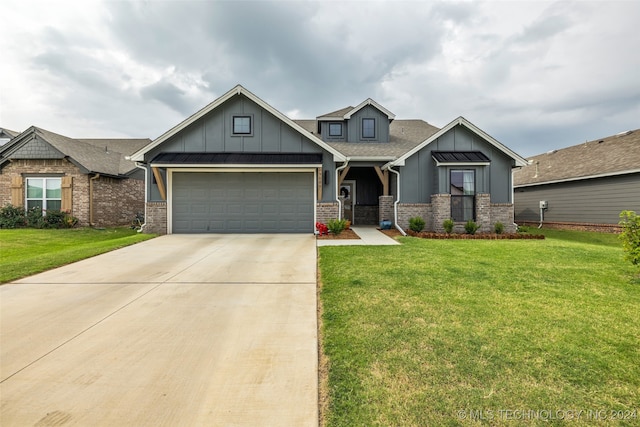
326, 211
366, 214
410, 210
80, 185
483, 213
441, 208
385, 208
503, 212
115, 201
156, 219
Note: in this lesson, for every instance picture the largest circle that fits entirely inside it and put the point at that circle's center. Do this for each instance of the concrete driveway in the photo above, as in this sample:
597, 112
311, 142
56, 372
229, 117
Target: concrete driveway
193, 330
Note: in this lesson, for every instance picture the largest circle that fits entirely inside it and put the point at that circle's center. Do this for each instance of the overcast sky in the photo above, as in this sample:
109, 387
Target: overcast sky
535, 75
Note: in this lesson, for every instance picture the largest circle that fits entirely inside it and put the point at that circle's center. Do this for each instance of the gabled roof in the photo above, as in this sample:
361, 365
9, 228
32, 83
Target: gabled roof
460, 121
104, 156
614, 155
403, 136
6, 133
347, 112
138, 156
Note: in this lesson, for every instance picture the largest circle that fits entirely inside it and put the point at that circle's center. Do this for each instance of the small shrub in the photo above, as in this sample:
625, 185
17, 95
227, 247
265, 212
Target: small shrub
448, 225
523, 229
58, 219
12, 217
471, 227
34, 217
416, 224
498, 227
336, 226
630, 236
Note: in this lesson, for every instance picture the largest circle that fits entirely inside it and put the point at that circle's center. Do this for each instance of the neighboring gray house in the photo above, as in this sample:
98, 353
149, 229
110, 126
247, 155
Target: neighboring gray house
90, 178
586, 186
239, 165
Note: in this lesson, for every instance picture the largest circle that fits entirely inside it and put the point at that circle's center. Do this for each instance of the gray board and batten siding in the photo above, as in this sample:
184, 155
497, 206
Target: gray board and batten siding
213, 134
352, 128
592, 201
420, 178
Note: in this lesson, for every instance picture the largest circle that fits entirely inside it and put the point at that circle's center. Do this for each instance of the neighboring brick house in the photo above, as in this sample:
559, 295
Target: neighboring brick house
90, 178
585, 186
240, 166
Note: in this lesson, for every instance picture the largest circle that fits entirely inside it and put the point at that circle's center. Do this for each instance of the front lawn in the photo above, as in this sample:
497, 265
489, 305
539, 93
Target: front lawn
479, 332
28, 251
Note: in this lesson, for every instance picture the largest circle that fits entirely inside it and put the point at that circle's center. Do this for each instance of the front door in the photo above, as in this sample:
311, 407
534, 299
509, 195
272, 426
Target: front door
348, 193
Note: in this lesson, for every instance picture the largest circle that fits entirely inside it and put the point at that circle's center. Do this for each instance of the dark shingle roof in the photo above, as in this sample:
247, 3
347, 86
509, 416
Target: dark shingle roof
105, 156
611, 155
403, 136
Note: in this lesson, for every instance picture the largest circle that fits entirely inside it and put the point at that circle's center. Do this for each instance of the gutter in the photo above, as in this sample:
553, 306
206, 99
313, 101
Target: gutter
338, 170
395, 204
96, 176
145, 194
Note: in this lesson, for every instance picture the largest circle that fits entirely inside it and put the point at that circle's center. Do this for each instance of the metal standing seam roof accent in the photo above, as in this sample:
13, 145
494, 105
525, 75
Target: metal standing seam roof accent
238, 158
460, 157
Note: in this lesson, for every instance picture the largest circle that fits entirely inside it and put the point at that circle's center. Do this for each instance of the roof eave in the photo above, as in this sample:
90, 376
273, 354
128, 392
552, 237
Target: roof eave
577, 178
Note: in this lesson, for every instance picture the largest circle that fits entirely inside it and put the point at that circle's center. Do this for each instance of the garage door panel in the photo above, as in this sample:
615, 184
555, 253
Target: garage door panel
249, 202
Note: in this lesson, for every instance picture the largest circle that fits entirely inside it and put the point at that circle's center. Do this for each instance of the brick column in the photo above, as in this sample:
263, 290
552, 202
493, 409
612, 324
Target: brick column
326, 211
441, 208
385, 208
156, 219
483, 213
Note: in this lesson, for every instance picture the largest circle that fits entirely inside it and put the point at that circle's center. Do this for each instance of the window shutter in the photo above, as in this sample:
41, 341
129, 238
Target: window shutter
66, 204
17, 195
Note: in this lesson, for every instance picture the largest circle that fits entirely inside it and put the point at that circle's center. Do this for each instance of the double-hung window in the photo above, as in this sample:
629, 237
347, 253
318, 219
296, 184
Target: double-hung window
463, 191
335, 129
368, 128
45, 193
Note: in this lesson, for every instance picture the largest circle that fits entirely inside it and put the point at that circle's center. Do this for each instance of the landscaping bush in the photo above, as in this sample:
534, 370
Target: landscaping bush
471, 227
336, 226
498, 227
448, 225
630, 236
416, 224
12, 217
34, 217
58, 219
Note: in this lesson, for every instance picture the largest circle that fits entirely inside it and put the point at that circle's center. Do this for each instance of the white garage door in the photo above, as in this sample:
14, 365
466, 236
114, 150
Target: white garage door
242, 202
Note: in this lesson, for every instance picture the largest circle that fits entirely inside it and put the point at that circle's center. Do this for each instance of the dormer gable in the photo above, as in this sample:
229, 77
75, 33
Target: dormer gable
367, 122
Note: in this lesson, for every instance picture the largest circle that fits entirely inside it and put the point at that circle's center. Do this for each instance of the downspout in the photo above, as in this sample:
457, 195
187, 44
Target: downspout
96, 176
338, 170
395, 204
145, 195
541, 216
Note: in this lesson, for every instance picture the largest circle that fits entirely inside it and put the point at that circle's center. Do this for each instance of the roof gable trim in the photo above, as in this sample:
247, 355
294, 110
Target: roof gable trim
238, 90
373, 103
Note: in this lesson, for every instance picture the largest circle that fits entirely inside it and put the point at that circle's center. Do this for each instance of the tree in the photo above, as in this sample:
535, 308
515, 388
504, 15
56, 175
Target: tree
630, 236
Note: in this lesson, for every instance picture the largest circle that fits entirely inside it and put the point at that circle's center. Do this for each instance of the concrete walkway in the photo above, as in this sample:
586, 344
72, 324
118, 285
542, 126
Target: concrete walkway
369, 235
197, 330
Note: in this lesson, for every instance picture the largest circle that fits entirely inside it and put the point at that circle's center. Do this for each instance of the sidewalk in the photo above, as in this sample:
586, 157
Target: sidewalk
369, 235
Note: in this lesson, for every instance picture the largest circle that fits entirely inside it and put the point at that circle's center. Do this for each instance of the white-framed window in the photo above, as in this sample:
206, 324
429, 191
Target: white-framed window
45, 193
368, 128
242, 125
335, 129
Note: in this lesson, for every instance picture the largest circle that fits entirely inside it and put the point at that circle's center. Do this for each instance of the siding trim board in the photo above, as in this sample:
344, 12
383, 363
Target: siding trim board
579, 178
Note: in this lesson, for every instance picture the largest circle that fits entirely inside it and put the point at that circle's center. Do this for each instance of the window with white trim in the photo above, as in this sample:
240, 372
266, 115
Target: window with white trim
242, 125
45, 193
463, 192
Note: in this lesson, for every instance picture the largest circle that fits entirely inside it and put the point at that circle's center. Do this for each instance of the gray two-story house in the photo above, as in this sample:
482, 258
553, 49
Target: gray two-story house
239, 165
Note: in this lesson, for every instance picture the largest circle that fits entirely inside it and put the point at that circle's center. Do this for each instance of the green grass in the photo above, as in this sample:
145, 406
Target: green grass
28, 251
416, 333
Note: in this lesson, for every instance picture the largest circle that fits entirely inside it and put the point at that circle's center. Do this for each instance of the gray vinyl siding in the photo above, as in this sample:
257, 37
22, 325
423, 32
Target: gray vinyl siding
597, 201
420, 177
354, 125
214, 133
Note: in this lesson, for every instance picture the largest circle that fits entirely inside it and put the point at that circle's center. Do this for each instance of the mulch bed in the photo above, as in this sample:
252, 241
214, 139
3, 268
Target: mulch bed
479, 236
345, 235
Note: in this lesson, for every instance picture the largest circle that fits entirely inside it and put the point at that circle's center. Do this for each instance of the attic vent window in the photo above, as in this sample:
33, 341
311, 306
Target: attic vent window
242, 125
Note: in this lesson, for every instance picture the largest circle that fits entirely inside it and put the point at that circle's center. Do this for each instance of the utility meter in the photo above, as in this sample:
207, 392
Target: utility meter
544, 204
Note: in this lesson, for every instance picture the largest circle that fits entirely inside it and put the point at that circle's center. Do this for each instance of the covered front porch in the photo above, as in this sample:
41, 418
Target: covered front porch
361, 186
